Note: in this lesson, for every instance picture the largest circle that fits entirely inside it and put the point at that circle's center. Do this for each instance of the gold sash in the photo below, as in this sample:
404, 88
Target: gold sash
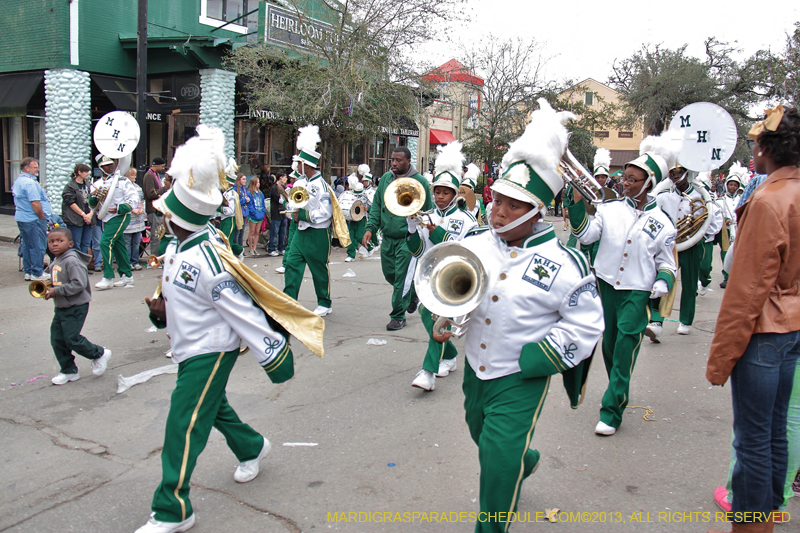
338, 222
237, 212
306, 327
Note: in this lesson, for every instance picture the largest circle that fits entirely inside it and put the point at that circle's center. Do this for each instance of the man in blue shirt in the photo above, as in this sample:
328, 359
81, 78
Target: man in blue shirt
32, 206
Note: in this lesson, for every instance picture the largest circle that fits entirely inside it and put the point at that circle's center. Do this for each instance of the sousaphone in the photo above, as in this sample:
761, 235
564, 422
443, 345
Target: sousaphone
116, 135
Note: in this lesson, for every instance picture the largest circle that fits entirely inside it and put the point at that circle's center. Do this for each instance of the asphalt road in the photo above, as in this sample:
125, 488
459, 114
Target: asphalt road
80, 457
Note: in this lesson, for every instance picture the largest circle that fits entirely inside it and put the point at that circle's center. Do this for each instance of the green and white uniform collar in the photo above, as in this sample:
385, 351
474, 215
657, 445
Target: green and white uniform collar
198, 237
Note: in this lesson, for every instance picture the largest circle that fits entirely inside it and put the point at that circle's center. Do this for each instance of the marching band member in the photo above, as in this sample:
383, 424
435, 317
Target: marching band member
114, 223
541, 316
311, 245
207, 314
471, 180
446, 223
369, 196
396, 260
711, 235
680, 201
734, 186
357, 227
293, 176
634, 264
231, 209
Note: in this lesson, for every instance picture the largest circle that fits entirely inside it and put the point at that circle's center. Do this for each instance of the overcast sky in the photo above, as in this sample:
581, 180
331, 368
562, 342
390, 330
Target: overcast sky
584, 37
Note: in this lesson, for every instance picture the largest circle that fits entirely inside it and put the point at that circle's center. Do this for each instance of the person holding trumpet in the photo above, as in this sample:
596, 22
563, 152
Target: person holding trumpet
396, 260
445, 223
634, 263
541, 316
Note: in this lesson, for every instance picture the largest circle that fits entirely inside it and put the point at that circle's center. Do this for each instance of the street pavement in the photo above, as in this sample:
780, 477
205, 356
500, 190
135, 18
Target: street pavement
80, 457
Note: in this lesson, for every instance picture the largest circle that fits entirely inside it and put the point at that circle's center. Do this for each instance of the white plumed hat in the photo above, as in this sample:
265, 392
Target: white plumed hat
307, 141
447, 169
602, 162
471, 176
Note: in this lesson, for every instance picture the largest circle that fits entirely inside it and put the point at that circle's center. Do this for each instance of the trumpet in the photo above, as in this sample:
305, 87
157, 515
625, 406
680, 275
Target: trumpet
451, 282
298, 199
573, 173
404, 197
38, 288
154, 261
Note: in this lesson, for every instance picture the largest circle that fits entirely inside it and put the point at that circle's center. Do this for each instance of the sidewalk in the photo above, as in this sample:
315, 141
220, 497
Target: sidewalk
8, 228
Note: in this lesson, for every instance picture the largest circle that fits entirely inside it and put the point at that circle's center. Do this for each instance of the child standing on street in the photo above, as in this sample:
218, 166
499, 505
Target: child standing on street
72, 295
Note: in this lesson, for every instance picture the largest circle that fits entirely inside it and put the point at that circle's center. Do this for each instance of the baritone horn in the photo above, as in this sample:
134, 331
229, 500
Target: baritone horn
404, 197
450, 282
39, 288
575, 174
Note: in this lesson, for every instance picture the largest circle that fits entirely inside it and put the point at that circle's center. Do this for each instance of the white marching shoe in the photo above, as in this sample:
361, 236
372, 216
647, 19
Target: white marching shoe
604, 429
100, 364
654, 330
280, 270
154, 526
683, 329
124, 281
701, 291
248, 470
446, 366
322, 311
61, 379
348, 259
104, 284
425, 380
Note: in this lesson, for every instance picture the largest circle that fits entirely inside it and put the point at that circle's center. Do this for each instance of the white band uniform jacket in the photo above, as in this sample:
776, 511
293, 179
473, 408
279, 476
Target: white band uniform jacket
729, 204
229, 210
679, 205
319, 210
636, 247
125, 193
542, 312
714, 227
207, 310
452, 224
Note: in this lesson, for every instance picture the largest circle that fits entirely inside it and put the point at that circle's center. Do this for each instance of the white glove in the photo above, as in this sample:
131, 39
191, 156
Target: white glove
412, 224
659, 289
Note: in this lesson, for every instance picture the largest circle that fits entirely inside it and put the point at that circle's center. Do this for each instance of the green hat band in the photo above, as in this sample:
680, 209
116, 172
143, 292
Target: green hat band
309, 158
652, 165
446, 176
534, 185
184, 213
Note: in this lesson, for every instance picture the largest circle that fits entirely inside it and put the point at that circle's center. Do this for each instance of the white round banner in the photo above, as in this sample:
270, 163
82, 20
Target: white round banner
116, 134
709, 136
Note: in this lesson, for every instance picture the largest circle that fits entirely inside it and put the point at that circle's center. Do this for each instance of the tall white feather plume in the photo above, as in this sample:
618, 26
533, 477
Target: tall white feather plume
232, 168
602, 158
668, 145
472, 173
352, 180
544, 140
308, 138
199, 162
449, 159
363, 169
738, 170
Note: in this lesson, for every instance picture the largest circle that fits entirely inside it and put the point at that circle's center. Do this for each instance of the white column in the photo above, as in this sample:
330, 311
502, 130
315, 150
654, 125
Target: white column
217, 99
68, 128
74, 27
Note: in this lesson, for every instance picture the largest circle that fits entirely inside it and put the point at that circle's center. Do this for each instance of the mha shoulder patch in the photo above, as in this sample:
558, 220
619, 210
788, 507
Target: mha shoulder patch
187, 277
541, 272
652, 227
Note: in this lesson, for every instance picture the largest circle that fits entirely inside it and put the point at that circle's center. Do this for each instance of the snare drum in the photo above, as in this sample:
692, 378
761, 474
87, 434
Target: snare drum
352, 208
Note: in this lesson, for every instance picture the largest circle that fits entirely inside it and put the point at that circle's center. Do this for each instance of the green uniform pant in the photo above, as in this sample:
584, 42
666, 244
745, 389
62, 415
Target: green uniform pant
501, 415
289, 237
311, 247
705, 263
65, 337
113, 242
226, 227
198, 403
689, 264
722, 253
625, 315
395, 262
436, 350
357, 230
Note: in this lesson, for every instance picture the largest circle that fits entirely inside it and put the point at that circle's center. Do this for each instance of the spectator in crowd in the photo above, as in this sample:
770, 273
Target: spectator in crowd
255, 215
757, 335
133, 233
277, 243
75, 208
32, 210
244, 201
154, 186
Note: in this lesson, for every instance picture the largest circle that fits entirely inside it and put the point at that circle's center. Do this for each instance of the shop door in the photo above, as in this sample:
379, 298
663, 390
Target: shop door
181, 127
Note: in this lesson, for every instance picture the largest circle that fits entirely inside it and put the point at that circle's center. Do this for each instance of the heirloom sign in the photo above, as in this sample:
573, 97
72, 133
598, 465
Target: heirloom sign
285, 28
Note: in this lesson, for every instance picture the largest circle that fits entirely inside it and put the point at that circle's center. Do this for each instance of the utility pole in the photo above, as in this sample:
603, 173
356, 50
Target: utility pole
141, 91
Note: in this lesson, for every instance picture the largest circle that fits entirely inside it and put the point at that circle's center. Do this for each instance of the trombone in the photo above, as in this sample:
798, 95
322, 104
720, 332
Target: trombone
404, 197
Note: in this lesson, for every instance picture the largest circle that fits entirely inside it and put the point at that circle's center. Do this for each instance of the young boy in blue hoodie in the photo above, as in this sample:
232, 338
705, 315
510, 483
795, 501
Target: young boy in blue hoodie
72, 294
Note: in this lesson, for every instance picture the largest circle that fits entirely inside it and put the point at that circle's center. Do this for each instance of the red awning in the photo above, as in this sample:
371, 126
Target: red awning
441, 137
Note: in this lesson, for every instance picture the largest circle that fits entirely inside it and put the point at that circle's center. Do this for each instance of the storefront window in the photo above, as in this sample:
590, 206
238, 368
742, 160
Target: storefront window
355, 153
282, 147
377, 147
252, 138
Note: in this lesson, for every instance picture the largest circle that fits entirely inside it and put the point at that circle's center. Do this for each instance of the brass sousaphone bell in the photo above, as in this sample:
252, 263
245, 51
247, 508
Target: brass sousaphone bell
404, 197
